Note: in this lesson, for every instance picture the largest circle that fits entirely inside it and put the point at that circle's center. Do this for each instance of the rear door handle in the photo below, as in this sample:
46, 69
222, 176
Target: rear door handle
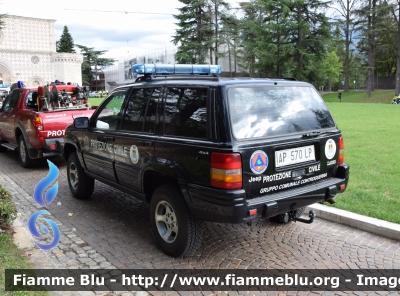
105, 138
146, 143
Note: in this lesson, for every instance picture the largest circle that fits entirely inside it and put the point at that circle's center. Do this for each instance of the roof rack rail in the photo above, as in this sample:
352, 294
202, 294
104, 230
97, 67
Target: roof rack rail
283, 78
175, 69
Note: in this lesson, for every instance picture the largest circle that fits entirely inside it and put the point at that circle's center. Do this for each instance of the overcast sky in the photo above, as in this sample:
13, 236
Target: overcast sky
120, 26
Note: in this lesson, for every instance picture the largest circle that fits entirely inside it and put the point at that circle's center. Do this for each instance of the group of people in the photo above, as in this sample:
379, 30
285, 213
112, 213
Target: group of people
396, 99
103, 93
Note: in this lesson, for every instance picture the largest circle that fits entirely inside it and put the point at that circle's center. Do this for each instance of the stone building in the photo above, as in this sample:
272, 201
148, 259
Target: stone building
28, 53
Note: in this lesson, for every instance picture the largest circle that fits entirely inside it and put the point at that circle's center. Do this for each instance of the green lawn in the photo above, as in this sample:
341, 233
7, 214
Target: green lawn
371, 135
12, 258
95, 101
379, 96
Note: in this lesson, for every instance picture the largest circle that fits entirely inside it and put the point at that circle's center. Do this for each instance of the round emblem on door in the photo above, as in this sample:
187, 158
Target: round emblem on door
134, 154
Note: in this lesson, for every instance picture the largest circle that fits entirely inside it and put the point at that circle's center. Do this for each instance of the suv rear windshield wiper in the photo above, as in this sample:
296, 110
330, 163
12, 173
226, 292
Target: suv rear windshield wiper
317, 134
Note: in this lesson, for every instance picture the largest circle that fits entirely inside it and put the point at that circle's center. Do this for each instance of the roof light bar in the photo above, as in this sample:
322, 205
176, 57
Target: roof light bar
174, 69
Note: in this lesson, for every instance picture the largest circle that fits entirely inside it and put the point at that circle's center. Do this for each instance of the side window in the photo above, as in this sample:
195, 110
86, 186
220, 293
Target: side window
141, 111
109, 114
31, 100
185, 112
12, 100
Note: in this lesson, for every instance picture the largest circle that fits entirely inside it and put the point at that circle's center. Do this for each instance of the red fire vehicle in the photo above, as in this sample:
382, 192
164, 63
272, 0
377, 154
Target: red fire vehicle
33, 120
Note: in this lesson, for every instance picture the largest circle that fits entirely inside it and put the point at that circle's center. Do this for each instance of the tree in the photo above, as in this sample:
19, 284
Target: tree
2, 24
310, 34
386, 48
274, 49
396, 15
332, 68
347, 15
217, 9
194, 36
230, 33
284, 37
92, 62
66, 43
249, 32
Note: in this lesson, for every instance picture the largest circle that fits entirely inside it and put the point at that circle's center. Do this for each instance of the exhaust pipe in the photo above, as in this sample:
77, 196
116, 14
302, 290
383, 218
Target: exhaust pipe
311, 214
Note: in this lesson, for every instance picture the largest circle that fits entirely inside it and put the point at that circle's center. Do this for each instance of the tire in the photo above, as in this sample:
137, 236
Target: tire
175, 229
80, 184
24, 158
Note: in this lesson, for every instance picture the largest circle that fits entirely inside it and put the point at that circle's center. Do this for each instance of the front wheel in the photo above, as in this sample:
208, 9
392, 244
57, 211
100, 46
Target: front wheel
176, 230
80, 184
24, 158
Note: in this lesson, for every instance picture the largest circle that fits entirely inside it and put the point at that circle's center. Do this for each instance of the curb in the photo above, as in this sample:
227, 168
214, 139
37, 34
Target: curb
368, 224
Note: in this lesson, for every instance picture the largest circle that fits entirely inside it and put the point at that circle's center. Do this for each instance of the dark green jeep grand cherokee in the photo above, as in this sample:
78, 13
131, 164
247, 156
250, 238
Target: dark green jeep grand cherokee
204, 148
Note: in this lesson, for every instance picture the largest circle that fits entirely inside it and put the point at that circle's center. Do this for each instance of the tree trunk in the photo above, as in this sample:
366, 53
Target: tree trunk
229, 58
299, 44
216, 31
397, 91
347, 61
211, 48
370, 73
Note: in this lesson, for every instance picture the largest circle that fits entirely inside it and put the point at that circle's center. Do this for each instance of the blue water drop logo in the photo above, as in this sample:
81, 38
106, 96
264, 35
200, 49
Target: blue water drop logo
45, 199
32, 228
44, 183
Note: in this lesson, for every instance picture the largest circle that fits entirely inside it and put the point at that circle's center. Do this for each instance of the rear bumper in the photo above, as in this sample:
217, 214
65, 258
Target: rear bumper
225, 206
48, 148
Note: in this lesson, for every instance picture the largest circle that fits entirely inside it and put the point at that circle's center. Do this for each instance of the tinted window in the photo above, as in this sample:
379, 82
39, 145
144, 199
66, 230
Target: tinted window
109, 114
185, 112
12, 100
268, 111
141, 111
31, 100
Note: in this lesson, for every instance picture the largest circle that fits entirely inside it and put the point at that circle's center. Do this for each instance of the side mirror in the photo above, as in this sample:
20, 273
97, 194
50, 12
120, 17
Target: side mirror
81, 122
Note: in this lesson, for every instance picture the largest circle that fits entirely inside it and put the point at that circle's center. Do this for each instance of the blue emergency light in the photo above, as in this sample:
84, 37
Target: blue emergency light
20, 84
175, 69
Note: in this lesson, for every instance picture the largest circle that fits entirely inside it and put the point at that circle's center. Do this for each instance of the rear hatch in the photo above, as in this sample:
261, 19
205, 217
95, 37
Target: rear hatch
286, 136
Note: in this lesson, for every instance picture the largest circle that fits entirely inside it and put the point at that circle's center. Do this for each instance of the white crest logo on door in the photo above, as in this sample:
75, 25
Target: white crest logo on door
134, 154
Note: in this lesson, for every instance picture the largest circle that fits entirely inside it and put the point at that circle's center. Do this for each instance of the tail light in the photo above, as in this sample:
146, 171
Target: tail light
341, 151
226, 170
38, 123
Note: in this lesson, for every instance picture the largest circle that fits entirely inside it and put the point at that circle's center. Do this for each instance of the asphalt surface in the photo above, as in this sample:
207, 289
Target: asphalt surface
112, 231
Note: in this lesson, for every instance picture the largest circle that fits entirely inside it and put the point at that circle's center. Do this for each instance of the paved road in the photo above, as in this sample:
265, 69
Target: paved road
112, 230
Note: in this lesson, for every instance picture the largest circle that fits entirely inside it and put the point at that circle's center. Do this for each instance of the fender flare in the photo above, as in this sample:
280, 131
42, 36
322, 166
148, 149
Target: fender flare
19, 125
73, 141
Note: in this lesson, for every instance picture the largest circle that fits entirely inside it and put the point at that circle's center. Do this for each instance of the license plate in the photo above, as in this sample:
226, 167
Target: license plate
294, 155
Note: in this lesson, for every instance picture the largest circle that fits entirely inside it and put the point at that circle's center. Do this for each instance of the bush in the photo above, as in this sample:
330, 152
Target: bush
8, 211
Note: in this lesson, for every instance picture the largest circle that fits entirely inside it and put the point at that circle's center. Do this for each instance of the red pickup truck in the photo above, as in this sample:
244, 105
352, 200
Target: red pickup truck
33, 120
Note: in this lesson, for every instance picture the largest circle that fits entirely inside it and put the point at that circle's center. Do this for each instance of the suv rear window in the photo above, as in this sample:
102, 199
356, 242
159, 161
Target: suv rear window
269, 111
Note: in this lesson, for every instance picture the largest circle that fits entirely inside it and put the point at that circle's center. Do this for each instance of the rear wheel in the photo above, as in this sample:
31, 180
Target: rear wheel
80, 184
24, 158
176, 230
